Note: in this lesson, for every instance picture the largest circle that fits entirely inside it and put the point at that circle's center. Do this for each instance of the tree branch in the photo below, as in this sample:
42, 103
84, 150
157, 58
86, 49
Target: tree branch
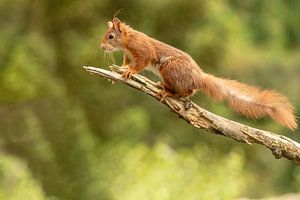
198, 117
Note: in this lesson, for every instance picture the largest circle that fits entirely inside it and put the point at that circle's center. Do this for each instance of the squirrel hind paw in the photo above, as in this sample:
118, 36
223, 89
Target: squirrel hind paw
163, 94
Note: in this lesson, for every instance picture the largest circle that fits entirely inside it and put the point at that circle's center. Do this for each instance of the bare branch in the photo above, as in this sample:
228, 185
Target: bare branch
198, 117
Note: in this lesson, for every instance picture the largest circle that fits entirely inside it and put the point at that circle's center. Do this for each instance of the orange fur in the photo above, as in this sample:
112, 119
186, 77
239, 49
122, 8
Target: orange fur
183, 77
250, 101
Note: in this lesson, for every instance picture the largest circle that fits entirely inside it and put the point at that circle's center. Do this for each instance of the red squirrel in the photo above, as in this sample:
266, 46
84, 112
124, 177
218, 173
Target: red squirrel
182, 77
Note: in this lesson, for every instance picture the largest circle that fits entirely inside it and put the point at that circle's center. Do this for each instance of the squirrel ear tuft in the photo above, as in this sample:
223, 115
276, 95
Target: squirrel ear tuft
110, 25
117, 24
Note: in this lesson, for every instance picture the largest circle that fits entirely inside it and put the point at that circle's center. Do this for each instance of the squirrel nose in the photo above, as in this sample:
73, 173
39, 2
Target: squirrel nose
103, 46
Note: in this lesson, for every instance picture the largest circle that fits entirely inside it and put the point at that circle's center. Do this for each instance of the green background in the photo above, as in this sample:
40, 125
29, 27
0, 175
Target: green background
65, 134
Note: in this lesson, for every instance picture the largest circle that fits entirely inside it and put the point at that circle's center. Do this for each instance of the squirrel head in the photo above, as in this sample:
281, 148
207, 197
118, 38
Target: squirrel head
115, 37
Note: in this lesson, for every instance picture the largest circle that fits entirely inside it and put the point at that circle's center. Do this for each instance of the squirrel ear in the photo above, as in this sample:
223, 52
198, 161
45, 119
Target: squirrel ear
110, 25
117, 24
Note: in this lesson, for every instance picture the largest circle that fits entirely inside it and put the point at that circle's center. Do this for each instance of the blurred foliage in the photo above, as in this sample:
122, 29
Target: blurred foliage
67, 135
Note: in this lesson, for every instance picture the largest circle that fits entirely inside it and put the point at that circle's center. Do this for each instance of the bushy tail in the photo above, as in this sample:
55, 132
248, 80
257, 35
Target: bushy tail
250, 101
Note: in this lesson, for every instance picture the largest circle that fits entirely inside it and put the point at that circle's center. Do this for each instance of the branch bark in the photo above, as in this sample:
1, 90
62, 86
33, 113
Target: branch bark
198, 117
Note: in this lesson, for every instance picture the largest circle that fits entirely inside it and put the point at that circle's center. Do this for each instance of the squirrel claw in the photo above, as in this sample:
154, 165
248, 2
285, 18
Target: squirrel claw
163, 94
163, 97
128, 73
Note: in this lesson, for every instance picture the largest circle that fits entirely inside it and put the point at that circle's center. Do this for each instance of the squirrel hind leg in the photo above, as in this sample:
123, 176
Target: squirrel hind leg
165, 92
179, 77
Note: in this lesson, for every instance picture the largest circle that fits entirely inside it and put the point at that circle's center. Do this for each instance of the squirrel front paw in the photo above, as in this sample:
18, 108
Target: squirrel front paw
128, 73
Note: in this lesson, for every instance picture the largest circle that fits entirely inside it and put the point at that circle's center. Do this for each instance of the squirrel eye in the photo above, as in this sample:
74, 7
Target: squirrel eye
111, 36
